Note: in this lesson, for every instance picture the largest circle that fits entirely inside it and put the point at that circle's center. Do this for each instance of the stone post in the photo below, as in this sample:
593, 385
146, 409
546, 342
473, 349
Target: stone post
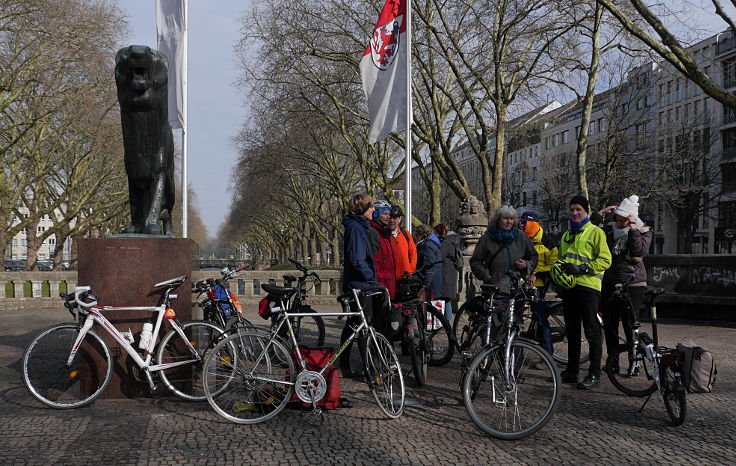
36, 288
54, 288
18, 288
471, 225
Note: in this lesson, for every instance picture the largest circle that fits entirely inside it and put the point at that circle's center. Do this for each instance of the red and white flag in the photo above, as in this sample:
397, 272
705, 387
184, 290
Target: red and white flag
383, 71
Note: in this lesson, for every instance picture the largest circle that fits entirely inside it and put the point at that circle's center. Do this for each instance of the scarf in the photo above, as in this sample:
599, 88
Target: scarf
502, 237
575, 227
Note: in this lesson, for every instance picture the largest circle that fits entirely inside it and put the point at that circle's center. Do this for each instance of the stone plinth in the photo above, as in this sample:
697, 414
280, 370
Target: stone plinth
471, 224
122, 272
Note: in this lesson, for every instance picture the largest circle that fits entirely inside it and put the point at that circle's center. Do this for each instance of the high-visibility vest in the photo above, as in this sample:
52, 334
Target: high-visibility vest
587, 246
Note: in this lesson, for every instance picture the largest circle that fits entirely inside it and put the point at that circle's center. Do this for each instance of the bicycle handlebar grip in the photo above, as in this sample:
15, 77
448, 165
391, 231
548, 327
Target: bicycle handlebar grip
84, 292
298, 264
242, 267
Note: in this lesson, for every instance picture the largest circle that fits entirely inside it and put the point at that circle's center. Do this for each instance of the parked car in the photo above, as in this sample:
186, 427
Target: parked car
45, 266
14, 266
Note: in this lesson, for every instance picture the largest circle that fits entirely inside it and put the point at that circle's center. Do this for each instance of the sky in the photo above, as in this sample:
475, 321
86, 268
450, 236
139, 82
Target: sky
216, 110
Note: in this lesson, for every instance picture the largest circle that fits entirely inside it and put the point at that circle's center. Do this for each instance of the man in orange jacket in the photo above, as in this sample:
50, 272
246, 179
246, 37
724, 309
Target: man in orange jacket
405, 251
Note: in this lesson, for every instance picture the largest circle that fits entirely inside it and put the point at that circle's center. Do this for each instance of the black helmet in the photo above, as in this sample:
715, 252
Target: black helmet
396, 211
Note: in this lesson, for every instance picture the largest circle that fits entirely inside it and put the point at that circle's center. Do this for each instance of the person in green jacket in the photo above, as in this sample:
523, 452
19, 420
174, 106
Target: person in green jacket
583, 257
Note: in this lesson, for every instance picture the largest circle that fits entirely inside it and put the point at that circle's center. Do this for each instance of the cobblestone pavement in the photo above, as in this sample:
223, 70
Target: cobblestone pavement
597, 427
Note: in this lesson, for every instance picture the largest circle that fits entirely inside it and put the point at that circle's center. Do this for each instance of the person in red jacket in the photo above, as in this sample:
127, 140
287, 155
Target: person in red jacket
384, 257
405, 251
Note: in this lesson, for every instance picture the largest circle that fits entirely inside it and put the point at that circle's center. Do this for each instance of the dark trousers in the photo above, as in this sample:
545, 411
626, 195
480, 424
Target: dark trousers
540, 315
580, 306
617, 310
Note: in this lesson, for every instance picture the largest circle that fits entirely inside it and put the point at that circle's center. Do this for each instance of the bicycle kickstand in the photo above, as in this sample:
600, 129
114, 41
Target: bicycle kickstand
645, 403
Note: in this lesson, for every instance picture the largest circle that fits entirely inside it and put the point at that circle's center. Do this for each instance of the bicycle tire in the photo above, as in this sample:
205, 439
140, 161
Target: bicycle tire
559, 336
640, 384
415, 344
441, 342
52, 383
308, 331
462, 316
185, 381
242, 383
384, 376
673, 392
534, 382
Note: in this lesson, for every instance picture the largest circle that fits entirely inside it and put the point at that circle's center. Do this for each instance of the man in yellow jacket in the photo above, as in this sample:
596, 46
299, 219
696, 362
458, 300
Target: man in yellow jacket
547, 251
584, 256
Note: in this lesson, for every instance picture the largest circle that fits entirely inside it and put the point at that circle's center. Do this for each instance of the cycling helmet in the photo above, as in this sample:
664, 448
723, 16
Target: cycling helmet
396, 211
561, 278
380, 207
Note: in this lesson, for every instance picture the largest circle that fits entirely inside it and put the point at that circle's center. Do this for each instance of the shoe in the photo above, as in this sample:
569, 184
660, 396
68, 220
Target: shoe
589, 382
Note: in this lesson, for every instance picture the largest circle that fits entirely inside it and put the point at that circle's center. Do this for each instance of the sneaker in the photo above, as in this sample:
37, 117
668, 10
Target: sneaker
589, 382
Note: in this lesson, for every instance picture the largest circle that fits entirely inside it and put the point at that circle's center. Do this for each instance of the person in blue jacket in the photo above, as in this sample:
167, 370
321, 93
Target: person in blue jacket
359, 267
428, 252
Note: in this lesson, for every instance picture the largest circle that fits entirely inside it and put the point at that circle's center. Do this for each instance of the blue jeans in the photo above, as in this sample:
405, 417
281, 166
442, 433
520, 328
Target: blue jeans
540, 315
448, 311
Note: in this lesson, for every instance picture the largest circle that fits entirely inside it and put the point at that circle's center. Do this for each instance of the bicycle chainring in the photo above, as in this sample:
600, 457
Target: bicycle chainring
310, 386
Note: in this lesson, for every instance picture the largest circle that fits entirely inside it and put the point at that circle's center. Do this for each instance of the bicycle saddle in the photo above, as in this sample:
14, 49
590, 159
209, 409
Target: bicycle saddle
653, 291
488, 289
278, 290
173, 282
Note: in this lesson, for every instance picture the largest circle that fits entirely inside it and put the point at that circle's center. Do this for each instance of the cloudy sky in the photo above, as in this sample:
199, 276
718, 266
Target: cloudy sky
215, 106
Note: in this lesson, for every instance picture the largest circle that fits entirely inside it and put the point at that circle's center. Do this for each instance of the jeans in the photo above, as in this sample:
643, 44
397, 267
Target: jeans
616, 311
540, 315
448, 310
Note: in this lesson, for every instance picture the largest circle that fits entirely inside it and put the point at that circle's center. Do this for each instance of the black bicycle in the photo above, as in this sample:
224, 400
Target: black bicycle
644, 367
308, 330
426, 334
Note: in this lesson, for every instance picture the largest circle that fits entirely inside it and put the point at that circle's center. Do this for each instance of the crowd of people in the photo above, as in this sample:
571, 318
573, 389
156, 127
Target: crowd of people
598, 251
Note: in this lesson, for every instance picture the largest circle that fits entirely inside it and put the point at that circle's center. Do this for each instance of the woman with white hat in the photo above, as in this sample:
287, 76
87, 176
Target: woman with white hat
628, 239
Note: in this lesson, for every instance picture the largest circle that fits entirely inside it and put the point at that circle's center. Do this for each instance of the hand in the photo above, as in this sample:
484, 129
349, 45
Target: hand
531, 279
575, 269
632, 222
607, 210
520, 264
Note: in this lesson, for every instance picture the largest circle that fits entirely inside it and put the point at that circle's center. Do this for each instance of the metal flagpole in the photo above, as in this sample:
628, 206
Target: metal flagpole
184, 134
407, 196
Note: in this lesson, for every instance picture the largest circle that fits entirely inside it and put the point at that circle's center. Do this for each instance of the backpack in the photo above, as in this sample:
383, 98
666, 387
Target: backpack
700, 367
316, 358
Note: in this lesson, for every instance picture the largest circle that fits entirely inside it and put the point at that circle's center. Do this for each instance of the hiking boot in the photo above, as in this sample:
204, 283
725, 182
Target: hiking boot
589, 382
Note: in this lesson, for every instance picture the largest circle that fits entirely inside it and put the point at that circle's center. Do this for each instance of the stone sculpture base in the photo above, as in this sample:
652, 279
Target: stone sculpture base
122, 272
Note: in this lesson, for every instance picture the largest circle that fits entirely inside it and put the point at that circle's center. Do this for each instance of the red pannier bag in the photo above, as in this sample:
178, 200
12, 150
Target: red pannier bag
316, 359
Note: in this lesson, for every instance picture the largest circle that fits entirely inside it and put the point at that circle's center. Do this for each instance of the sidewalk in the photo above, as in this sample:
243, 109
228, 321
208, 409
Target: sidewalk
598, 427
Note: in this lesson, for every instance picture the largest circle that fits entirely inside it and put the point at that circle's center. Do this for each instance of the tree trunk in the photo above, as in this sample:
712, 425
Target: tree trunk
494, 201
336, 249
435, 194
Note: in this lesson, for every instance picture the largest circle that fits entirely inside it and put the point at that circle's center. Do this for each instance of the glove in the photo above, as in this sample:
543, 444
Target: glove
575, 269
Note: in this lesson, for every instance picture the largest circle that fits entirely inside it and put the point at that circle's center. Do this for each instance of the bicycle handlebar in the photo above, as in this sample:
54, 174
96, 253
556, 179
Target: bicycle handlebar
85, 292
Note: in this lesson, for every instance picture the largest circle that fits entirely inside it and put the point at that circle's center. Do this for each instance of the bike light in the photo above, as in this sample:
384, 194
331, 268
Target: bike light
170, 314
669, 358
73, 374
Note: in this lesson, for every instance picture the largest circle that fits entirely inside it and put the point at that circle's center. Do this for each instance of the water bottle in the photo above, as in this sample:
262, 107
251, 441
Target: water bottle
145, 341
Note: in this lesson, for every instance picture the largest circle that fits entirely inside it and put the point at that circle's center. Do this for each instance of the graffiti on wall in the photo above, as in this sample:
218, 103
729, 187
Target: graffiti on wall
702, 280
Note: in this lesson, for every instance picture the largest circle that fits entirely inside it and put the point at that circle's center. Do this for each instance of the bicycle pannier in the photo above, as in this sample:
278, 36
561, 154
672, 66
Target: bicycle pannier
700, 367
316, 358
268, 306
395, 318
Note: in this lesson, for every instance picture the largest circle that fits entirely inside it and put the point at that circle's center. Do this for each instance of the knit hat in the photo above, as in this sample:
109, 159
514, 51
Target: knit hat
529, 215
629, 206
579, 199
380, 207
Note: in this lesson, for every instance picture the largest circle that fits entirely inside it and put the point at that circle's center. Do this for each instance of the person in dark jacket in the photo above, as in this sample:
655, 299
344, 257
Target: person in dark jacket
428, 252
359, 268
452, 265
628, 239
503, 247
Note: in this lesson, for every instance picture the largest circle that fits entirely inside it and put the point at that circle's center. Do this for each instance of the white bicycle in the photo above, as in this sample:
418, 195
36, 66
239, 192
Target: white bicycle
69, 365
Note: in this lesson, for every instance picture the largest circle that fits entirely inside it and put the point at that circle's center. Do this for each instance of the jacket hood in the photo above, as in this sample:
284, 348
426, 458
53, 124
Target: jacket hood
354, 219
538, 237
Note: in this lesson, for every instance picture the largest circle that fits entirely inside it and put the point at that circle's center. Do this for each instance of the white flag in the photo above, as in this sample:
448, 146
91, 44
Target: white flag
383, 71
171, 28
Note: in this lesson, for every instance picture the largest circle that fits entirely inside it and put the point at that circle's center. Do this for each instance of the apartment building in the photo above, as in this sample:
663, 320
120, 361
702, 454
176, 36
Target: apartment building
17, 249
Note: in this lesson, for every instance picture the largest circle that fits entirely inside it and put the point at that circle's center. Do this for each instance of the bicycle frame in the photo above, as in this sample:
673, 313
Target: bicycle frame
94, 315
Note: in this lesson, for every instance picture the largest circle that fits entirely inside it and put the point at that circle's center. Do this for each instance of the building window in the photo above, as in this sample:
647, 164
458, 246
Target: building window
564, 137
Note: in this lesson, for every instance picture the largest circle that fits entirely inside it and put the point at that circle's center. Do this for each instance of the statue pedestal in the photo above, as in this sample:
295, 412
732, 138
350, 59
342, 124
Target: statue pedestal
122, 272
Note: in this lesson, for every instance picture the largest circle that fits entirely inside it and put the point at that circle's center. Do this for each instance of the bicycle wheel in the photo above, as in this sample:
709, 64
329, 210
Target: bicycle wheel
416, 345
559, 336
673, 392
512, 404
185, 380
633, 377
472, 341
383, 372
52, 382
242, 383
308, 331
463, 315
440, 341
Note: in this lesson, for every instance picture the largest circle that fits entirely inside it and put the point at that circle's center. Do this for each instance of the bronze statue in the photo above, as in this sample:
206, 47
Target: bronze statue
141, 75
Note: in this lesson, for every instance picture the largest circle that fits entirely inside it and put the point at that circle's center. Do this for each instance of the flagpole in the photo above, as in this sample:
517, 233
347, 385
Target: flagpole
184, 133
407, 197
